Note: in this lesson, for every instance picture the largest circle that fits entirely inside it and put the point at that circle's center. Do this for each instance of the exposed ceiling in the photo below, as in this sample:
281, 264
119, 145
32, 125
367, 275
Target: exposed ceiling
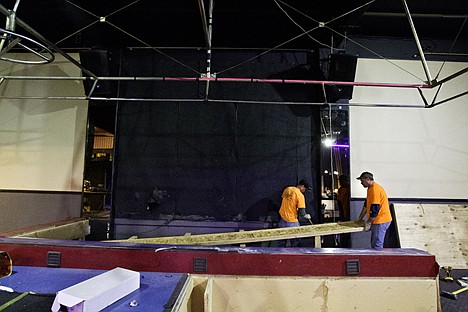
266, 24
75, 25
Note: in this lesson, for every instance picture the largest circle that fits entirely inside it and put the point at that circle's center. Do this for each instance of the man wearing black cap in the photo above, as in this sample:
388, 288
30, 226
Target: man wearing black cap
376, 208
292, 206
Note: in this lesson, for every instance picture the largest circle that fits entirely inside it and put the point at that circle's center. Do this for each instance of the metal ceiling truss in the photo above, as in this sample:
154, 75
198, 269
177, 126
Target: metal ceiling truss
9, 40
44, 51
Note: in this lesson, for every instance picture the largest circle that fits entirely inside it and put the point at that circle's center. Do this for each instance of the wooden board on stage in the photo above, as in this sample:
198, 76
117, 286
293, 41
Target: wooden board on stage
244, 237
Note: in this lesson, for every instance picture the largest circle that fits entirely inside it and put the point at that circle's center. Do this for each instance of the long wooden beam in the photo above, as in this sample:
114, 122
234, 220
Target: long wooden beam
255, 235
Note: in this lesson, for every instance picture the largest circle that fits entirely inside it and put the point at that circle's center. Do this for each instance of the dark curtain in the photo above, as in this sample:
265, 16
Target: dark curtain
226, 159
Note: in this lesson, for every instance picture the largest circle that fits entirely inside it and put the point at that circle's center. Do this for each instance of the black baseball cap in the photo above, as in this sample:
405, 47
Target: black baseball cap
366, 175
306, 184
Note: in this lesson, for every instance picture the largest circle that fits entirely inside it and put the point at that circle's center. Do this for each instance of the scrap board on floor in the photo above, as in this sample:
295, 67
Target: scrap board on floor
441, 230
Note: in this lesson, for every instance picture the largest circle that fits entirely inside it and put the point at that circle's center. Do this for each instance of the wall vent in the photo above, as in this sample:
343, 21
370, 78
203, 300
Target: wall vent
53, 258
353, 267
200, 265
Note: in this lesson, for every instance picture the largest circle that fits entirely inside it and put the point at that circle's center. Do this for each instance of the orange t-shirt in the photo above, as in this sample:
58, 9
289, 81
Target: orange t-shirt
293, 199
376, 195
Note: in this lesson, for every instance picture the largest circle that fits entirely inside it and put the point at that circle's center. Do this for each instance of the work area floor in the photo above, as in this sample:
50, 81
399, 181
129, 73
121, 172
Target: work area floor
452, 305
43, 301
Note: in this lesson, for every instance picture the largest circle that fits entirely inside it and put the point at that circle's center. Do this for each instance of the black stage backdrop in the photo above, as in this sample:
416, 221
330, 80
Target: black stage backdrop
223, 159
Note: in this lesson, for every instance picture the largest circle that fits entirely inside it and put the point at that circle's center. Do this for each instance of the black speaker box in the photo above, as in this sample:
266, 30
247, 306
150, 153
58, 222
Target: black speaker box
97, 62
342, 68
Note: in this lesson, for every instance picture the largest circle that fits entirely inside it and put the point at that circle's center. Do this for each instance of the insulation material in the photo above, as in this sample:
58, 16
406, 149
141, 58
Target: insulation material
254, 236
441, 230
235, 293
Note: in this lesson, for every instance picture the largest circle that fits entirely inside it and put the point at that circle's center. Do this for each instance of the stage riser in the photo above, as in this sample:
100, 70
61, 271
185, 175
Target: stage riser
260, 261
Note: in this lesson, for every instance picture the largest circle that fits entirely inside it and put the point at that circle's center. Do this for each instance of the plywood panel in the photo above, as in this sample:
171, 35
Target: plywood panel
208, 296
253, 293
188, 298
196, 293
409, 294
267, 294
441, 230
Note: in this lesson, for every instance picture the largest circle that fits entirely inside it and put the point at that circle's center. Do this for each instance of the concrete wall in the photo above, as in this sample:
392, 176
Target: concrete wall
42, 144
26, 209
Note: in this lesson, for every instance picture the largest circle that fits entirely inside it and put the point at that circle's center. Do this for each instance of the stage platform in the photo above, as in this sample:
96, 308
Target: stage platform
154, 294
263, 261
229, 276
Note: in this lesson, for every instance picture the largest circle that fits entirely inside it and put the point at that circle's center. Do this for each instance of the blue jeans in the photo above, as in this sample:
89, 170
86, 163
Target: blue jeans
378, 234
294, 242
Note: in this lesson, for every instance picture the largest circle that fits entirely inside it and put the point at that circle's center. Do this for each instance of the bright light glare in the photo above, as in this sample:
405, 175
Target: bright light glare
328, 142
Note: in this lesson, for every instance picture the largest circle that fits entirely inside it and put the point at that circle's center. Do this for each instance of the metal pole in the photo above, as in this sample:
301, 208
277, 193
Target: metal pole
207, 29
418, 44
225, 79
208, 52
455, 75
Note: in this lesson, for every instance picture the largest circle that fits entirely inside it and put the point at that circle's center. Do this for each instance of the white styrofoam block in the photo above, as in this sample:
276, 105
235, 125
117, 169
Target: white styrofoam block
98, 292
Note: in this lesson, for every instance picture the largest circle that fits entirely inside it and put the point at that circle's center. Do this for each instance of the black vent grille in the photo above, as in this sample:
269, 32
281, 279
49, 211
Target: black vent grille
353, 267
200, 265
53, 258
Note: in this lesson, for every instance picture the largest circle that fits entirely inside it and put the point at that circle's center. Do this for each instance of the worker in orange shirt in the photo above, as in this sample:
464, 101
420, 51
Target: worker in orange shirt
292, 207
376, 208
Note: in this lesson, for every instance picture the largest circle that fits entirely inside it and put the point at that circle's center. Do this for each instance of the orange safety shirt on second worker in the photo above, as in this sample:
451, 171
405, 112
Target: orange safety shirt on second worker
293, 199
376, 195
